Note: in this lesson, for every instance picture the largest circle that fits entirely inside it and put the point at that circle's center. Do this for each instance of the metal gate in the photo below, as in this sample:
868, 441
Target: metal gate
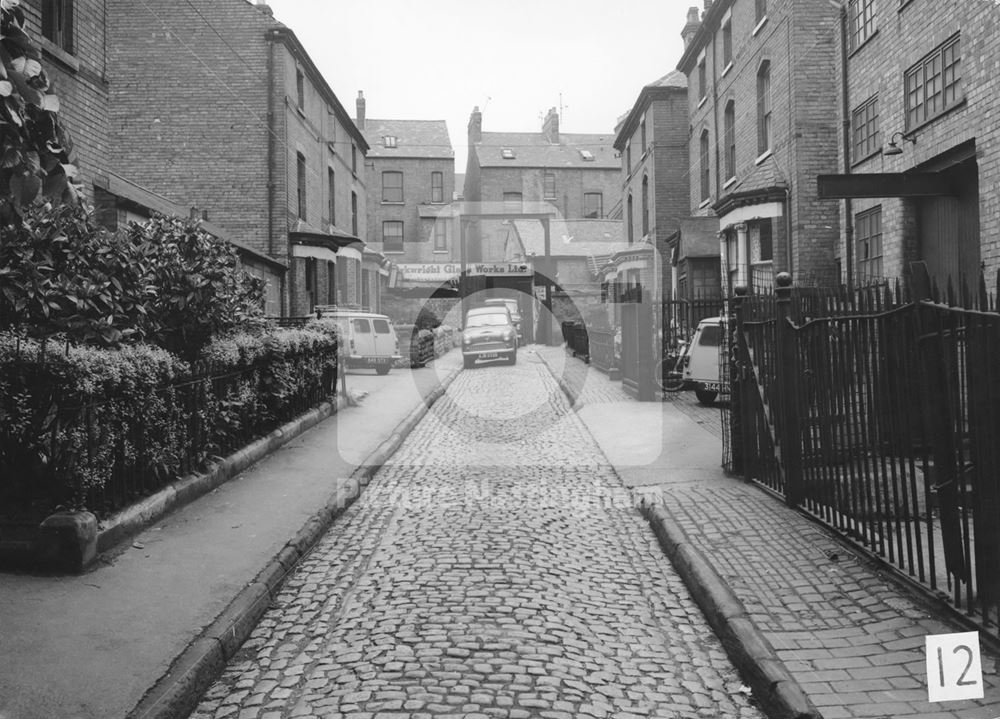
639, 352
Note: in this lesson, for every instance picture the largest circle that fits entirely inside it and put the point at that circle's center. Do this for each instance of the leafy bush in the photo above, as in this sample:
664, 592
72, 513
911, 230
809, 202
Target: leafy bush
97, 428
165, 281
68, 417
200, 290
61, 274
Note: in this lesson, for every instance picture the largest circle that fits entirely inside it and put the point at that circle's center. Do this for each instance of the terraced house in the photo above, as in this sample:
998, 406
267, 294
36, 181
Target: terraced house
920, 165
84, 65
410, 171
763, 123
221, 106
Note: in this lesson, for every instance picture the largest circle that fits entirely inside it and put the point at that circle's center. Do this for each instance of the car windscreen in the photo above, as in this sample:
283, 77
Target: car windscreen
381, 327
710, 336
497, 320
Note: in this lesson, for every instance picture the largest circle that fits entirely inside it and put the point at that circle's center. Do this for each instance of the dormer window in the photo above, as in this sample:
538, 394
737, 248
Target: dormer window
507, 153
587, 155
389, 140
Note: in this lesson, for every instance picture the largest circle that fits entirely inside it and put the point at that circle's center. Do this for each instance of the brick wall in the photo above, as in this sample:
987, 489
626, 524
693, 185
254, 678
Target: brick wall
571, 184
78, 78
877, 67
418, 240
189, 114
798, 41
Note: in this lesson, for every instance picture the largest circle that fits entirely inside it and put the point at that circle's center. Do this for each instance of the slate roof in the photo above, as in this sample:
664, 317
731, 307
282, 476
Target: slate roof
532, 149
414, 138
658, 89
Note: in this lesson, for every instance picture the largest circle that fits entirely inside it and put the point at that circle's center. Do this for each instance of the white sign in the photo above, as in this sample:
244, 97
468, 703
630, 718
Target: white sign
954, 668
441, 271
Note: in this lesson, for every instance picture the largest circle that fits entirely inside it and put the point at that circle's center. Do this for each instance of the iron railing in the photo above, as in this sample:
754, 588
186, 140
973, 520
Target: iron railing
879, 415
115, 449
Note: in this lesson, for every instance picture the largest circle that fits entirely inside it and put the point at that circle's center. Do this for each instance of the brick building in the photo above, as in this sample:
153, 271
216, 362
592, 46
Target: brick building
221, 108
76, 42
921, 101
652, 139
763, 123
576, 174
410, 171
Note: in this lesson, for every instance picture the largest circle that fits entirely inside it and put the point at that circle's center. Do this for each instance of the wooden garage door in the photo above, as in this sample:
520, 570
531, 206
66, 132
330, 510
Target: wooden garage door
949, 229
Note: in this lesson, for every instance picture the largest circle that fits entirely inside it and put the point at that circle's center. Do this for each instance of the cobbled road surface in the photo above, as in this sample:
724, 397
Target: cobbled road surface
496, 568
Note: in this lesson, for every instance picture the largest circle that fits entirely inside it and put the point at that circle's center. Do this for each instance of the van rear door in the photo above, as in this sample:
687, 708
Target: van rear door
364, 339
703, 356
384, 338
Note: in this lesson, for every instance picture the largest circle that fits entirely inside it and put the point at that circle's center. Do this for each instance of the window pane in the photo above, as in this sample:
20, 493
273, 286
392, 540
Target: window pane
593, 205
437, 187
361, 326
381, 327
392, 187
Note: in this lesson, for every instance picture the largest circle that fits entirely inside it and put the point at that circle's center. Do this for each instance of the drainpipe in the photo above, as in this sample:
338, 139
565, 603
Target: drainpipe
270, 165
846, 128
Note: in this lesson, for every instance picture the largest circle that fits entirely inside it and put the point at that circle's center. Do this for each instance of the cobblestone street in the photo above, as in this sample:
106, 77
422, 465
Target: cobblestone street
495, 568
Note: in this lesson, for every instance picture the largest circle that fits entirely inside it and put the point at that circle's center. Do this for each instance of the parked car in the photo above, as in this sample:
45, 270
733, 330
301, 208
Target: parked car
515, 313
702, 371
370, 339
489, 334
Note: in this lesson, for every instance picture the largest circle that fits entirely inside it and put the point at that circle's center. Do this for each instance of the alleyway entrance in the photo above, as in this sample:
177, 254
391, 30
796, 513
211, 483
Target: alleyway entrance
496, 568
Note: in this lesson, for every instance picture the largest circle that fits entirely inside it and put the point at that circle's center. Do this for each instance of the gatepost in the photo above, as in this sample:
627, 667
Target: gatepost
790, 450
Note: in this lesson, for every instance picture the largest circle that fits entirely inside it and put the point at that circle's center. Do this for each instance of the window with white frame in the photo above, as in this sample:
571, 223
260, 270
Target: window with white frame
437, 187
392, 186
549, 186
440, 236
300, 177
727, 42
703, 168
392, 235
764, 108
729, 125
593, 205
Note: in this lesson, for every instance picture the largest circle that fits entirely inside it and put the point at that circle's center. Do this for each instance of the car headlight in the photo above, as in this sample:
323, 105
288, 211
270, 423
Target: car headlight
508, 335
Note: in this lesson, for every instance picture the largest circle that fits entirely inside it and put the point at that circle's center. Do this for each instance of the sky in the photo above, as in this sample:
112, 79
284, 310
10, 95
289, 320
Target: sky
515, 59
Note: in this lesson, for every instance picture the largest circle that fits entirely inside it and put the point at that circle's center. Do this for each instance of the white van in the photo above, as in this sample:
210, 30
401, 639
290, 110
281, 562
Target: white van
371, 341
701, 363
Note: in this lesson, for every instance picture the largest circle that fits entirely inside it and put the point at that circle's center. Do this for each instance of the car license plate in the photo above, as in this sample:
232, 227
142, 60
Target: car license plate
488, 355
712, 386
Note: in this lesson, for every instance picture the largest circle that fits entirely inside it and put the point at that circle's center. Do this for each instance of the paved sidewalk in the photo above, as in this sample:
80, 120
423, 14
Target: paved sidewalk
90, 646
852, 638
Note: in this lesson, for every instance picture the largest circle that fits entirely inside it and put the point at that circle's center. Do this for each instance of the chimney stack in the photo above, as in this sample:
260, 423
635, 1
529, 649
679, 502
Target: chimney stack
708, 7
692, 26
475, 125
265, 8
360, 117
550, 127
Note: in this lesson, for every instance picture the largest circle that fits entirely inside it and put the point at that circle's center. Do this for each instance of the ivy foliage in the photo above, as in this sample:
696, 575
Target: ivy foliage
35, 148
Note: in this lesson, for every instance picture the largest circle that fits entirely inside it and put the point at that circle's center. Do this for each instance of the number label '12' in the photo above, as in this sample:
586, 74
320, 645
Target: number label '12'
954, 668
